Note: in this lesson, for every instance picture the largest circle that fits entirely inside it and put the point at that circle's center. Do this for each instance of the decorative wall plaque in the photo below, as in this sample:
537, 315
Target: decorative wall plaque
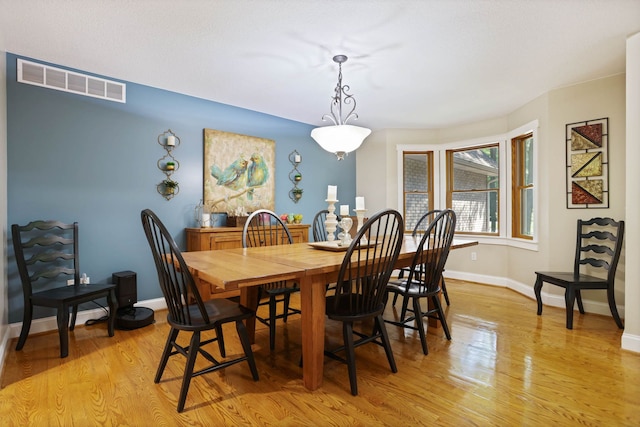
587, 164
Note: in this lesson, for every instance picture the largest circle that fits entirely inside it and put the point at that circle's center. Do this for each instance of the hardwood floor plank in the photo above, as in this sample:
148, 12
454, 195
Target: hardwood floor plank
504, 366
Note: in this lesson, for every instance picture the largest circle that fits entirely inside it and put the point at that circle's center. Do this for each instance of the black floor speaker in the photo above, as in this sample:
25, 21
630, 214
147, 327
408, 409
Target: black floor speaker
128, 316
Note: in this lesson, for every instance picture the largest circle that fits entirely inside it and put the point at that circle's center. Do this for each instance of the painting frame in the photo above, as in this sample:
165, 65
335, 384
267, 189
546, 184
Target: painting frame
239, 172
587, 164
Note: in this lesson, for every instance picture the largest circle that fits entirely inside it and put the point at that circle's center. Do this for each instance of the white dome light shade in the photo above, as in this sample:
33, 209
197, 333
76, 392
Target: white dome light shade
340, 139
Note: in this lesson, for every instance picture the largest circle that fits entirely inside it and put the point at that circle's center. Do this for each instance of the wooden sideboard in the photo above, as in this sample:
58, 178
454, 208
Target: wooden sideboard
216, 238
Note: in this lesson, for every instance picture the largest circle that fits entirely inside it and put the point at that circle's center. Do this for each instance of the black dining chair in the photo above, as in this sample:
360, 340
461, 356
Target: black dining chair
189, 314
425, 277
598, 248
319, 228
420, 227
360, 293
47, 256
265, 228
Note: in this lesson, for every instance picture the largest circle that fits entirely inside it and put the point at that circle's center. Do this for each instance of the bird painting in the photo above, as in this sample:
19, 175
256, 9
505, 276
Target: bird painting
240, 175
239, 171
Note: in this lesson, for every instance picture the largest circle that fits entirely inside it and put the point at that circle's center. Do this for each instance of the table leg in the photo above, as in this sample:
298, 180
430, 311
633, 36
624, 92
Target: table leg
313, 301
249, 299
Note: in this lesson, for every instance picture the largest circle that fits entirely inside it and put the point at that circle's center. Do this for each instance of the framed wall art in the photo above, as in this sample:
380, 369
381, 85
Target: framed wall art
587, 164
238, 173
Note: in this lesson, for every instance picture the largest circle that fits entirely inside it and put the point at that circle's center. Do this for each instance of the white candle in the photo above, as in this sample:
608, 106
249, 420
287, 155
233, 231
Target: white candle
359, 203
297, 158
344, 210
206, 220
332, 192
171, 140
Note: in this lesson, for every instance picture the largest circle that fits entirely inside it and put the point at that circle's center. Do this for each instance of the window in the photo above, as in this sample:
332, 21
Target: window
490, 182
473, 187
522, 187
417, 186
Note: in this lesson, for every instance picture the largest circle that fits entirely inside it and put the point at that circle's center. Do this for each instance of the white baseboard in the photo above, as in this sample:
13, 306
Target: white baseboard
630, 342
526, 289
47, 324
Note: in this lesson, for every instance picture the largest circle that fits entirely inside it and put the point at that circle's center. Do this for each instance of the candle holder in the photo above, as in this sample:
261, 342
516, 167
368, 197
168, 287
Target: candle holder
360, 215
331, 223
345, 225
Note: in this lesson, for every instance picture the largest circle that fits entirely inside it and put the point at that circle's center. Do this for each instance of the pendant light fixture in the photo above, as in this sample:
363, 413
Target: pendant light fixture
340, 138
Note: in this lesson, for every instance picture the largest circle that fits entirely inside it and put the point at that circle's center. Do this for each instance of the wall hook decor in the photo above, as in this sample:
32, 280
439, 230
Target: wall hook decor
295, 176
168, 164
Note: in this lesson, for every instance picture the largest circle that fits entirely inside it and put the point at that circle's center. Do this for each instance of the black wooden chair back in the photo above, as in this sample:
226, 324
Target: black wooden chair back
599, 245
47, 256
360, 292
265, 228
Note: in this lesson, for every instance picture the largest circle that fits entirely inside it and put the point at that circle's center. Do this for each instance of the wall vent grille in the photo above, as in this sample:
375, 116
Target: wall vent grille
42, 75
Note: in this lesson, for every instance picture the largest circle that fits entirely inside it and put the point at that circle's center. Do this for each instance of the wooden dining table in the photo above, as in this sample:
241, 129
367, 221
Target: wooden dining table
311, 268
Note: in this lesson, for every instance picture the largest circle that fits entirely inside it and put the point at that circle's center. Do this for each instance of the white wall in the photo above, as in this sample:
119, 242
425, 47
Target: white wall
631, 336
4, 310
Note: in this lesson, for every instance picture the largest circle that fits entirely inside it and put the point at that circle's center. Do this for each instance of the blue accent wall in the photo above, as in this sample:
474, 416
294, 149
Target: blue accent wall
76, 158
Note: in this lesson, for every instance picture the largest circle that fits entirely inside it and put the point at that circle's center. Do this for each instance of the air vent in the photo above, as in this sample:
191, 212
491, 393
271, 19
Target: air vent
81, 84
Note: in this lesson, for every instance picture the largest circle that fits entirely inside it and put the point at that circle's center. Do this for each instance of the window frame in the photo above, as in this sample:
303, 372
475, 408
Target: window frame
430, 182
518, 184
450, 191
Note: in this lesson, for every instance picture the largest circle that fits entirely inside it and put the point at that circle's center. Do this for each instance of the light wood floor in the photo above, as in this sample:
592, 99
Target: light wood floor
505, 366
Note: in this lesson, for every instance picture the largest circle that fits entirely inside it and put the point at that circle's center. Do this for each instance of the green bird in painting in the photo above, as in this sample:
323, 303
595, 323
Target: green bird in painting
234, 176
257, 174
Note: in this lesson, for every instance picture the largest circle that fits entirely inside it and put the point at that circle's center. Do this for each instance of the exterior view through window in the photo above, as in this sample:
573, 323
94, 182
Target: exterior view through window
417, 186
473, 186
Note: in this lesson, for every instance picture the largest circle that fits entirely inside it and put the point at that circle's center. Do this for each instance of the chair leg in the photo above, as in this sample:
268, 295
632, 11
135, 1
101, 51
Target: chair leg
347, 332
380, 326
74, 315
405, 304
246, 345
272, 322
579, 301
62, 317
112, 301
220, 337
444, 292
395, 298
441, 317
537, 288
569, 298
417, 311
166, 353
26, 325
612, 306
188, 370
285, 315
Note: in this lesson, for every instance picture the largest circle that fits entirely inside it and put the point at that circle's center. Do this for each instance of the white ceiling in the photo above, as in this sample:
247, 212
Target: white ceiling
412, 63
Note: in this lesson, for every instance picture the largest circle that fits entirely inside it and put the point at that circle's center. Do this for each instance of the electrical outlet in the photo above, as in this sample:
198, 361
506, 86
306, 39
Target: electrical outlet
70, 282
474, 256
